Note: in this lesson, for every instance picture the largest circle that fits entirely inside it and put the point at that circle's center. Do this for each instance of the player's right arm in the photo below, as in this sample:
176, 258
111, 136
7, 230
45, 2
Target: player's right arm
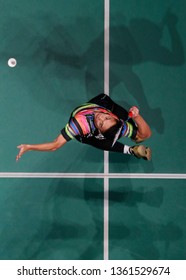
144, 131
45, 147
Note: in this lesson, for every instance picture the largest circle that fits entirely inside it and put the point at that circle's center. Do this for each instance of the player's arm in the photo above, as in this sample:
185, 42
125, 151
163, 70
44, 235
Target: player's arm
45, 147
144, 131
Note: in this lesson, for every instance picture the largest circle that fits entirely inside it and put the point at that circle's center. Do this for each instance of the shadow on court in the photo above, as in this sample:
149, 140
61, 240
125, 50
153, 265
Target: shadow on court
63, 219
53, 221
57, 57
137, 43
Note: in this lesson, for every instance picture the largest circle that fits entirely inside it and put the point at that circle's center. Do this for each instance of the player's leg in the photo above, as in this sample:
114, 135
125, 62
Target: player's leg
106, 145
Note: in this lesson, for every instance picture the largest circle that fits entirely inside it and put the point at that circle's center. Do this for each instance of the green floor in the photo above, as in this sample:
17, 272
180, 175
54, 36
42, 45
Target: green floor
147, 219
59, 47
51, 219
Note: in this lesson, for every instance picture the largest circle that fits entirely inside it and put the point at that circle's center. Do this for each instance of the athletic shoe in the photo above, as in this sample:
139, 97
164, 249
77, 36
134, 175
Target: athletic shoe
141, 152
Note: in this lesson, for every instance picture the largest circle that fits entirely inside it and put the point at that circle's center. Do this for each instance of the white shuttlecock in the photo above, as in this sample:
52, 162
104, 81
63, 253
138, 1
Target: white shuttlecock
12, 62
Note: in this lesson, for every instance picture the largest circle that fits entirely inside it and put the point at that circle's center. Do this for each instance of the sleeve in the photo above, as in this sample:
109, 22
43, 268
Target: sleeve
66, 133
72, 129
129, 129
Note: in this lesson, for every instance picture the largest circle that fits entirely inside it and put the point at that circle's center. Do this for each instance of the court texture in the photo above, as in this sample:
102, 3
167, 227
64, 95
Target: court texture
81, 203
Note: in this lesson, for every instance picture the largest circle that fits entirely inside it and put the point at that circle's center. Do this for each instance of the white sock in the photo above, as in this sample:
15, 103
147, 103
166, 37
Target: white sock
126, 149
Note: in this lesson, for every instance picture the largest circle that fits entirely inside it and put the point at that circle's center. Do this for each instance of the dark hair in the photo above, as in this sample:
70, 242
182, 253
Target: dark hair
113, 130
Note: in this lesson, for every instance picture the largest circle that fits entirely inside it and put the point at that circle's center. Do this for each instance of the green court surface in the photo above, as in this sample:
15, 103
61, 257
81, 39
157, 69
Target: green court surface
60, 51
51, 219
147, 219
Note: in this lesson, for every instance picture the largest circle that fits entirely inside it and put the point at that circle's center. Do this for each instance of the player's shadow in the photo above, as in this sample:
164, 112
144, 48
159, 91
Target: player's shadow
135, 43
56, 58
142, 228
64, 220
153, 197
129, 229
67, 226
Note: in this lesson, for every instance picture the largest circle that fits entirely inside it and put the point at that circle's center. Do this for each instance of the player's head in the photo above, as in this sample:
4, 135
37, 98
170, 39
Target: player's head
104, 121
108, 125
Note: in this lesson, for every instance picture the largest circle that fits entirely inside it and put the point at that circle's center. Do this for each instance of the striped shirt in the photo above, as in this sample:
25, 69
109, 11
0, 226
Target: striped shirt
81, 123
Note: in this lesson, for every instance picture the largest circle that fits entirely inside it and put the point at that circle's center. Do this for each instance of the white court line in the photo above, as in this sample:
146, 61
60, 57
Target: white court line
106, 154
94, 175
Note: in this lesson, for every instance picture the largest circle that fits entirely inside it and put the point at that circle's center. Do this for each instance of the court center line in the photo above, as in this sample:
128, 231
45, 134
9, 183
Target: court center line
106, 154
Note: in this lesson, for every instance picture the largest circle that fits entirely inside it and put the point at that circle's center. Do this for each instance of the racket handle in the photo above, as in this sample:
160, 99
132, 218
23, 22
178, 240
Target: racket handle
130, 115
133, 112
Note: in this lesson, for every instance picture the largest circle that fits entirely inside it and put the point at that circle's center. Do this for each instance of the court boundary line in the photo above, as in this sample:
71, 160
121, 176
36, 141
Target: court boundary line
93, 175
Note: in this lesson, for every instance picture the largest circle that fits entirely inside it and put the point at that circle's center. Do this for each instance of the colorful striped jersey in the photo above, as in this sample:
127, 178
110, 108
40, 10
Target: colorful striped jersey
81, 123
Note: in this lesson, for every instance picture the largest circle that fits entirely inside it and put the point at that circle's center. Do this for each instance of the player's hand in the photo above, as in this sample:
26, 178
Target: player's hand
134, 112
170, 19
22, 149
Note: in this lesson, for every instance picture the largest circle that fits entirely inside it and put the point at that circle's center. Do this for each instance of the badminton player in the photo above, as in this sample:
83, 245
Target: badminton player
101, 123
